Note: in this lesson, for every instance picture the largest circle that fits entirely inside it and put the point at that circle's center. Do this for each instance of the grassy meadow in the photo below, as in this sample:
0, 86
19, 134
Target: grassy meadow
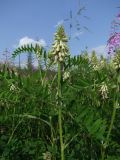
65, 109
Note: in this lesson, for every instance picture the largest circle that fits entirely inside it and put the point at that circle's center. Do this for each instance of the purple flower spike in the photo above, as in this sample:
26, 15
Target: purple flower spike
114, 43
114, 40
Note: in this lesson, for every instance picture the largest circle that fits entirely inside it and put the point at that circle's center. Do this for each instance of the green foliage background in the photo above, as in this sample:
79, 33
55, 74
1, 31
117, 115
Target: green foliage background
29, 113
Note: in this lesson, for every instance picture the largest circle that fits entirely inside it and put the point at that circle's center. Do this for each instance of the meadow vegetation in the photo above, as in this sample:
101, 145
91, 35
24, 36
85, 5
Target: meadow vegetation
66, 109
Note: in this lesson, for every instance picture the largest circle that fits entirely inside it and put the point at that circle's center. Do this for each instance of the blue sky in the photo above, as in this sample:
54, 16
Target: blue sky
36, 19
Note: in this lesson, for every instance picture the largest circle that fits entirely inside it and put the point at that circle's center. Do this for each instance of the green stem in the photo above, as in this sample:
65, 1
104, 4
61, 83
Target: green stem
109, 132
52, 138
59, 80
13, 131
60, 112
40, 69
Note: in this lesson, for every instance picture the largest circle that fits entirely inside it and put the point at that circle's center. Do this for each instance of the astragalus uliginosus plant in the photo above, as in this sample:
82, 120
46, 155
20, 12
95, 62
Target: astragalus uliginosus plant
58, 54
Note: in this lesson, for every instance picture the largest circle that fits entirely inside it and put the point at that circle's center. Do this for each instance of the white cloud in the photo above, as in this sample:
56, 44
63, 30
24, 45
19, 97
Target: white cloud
59, 23
100, 50
26, 40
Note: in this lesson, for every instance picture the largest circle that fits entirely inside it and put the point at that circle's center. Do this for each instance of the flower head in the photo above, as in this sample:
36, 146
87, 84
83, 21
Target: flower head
66, 75
13, 88
104, 90
47, 156
114, 43
59, 49
116, 60
114, 40
94, 61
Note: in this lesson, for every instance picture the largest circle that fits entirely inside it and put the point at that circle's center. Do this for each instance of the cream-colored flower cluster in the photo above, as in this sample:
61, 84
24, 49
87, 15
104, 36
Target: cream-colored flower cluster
66, 76
104, 90
96, 63
14, 88
47, 156
116, 60
100, 65
95, 67
59, 48
103, 62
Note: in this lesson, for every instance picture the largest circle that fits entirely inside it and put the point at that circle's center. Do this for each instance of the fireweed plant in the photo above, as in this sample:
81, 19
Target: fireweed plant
66, 109
114, 49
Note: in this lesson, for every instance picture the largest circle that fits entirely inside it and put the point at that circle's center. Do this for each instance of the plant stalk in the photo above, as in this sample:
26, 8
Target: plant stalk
60, 112
109, 132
